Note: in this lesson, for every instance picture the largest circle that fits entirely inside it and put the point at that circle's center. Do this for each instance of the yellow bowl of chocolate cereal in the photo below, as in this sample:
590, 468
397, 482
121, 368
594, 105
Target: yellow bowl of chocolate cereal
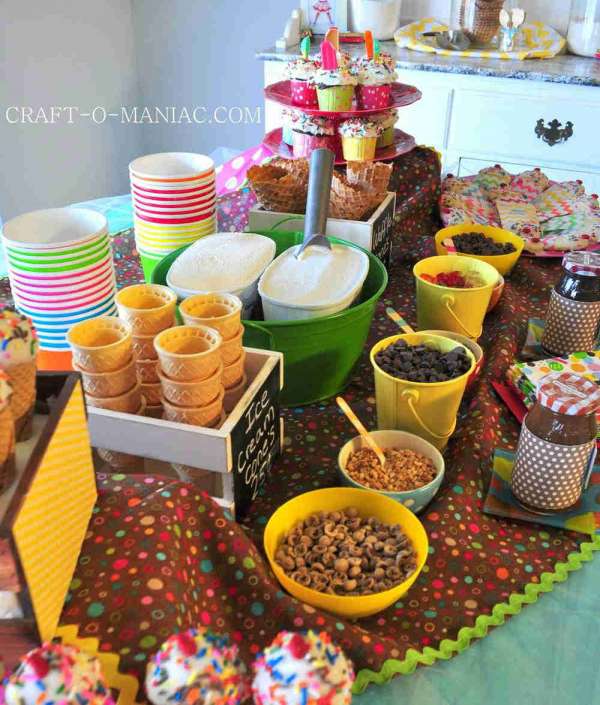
413, 471
348, 551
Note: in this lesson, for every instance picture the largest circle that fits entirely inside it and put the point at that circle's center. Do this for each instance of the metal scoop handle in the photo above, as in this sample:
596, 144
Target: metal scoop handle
317, 203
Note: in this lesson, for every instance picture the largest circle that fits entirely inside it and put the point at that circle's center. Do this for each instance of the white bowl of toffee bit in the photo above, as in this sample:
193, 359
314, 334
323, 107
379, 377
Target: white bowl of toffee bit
412, 474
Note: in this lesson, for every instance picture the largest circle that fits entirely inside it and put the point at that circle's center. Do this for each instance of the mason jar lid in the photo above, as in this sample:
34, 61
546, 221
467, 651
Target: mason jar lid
582, 263
566, 393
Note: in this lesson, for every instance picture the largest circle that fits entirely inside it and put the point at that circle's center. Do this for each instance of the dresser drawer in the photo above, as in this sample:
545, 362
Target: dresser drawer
520, 127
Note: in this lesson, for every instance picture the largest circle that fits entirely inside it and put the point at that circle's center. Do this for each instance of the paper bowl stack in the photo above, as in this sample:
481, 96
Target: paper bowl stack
103, 353
61, 272
148, 309
174, 202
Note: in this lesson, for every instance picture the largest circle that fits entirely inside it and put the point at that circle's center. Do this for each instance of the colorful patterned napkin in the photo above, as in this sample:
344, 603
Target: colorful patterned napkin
459, 208
500, 501
520, 218
554, 202
536, 41
530, 184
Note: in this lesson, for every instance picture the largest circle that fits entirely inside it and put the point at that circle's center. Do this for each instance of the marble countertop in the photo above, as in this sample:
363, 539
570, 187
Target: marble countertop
574, 70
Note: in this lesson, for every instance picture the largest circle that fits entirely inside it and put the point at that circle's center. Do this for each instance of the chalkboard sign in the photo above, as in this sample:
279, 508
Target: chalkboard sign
383, 231
256, 442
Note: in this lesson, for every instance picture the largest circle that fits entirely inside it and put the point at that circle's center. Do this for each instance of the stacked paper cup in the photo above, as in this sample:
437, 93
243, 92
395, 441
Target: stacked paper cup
103, 354
191, 375
149, 309
222, 312
61, 271
174, 202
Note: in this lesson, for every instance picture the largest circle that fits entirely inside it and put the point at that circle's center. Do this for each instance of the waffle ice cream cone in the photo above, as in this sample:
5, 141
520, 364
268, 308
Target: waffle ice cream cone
100, 344
128, 403
234, 373
377, 175
219, 311
192, 394
109, 384
352, 201
147, 371
189, 353
118, 460
18, 358
207, 416
278, 189
296, 167
7, 433
148, 308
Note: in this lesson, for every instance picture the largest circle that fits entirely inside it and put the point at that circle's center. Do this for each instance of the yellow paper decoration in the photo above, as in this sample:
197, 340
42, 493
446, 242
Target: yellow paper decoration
54, 516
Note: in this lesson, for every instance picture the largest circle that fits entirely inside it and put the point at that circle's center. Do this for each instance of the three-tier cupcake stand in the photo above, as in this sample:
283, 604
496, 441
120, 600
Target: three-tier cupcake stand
401, 96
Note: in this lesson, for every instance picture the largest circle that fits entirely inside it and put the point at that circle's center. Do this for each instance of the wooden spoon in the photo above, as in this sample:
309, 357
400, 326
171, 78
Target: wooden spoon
365, 435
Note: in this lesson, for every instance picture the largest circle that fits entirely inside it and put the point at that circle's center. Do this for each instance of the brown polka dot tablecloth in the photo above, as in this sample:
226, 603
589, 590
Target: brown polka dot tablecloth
159, 556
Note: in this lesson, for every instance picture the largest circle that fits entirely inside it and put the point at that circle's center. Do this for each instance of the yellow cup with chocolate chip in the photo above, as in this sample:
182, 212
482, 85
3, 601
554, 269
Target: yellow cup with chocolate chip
349, 517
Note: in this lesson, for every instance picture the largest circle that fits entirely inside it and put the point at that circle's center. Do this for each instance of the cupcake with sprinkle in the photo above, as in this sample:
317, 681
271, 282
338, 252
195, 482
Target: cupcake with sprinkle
359, 139
196, 667
57, 674
302, 668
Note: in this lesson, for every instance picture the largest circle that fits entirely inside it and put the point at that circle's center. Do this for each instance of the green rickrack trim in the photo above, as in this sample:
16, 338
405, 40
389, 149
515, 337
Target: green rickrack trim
449, 647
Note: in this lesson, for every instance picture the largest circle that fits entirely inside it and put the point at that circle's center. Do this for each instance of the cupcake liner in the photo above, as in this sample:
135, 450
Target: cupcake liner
201, 416
304, 145
219, 311
188, 353
359, 149
109, 384
148, 308
192, 394
101, 344
386, 139
335, 99
303, 93
373, 97
287, 135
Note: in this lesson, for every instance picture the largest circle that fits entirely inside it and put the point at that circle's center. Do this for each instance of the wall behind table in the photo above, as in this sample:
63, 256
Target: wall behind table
201, 53
553, 12
57, 53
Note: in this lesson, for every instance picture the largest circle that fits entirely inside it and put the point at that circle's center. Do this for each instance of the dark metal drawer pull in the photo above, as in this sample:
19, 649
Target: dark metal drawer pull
553, 133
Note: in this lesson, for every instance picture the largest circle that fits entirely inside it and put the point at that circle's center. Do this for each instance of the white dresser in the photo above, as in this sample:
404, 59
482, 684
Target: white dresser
482, 112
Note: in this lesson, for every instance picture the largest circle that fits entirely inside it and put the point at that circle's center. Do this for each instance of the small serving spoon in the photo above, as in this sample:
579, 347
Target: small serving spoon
364, 434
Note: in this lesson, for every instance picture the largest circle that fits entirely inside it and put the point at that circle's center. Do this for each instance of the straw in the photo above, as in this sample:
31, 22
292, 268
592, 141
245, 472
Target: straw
365, 435
448, 243
398, 320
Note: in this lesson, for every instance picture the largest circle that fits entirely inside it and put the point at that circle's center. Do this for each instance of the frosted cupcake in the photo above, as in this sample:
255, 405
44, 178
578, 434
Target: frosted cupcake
196, 667
375, 84
18, 354
304, 668
290, 118
55, 674
301, 73
313, 132
359, 139
335, 89
7, 433
386, 122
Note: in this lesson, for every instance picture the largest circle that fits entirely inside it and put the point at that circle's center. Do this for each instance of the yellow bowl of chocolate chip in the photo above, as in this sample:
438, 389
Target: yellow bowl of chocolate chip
413, 471
351, 552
